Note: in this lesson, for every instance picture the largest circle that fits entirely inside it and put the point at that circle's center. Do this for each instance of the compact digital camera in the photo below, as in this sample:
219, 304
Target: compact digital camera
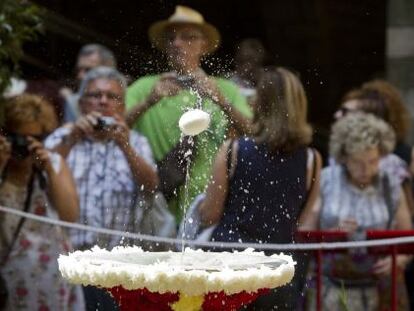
186, 81
103, 123
19, 145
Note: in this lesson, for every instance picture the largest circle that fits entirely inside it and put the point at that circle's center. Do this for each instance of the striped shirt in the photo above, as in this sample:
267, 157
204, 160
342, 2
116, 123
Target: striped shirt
108, 195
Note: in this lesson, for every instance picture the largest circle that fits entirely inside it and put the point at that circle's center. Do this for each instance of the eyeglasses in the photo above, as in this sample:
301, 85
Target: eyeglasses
184, 36
96, 96
344, 110
82, 69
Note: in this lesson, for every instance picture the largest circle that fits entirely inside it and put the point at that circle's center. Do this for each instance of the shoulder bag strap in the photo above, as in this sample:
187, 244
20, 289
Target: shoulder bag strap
314, 165
229, 160
310, 151
22, 219
388, 200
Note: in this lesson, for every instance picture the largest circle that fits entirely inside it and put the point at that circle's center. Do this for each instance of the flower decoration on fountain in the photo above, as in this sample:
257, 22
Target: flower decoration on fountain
175, 281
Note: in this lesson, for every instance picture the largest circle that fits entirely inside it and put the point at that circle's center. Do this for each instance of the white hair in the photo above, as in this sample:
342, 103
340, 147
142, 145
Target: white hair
102, 72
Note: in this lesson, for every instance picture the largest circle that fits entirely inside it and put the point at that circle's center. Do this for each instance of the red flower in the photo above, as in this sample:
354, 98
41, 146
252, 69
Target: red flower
222, 302
21, 291
62, 291
43, 308
142, 299
25, 244
44, 258
72, 298
40, 210
66, 247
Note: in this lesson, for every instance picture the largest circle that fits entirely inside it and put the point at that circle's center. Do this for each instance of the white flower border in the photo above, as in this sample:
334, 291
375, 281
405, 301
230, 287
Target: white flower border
79, 268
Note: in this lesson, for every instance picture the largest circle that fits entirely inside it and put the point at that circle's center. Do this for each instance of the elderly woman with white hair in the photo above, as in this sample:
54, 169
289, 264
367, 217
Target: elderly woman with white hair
356, 195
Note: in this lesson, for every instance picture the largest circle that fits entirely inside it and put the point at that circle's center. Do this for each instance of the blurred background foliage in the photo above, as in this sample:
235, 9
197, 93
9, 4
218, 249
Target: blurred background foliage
20, 21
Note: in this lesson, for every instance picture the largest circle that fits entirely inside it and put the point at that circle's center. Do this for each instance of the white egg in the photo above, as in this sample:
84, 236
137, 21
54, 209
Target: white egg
193, 122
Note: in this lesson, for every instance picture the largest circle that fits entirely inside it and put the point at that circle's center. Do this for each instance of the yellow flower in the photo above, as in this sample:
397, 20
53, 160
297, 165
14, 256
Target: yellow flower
188, 303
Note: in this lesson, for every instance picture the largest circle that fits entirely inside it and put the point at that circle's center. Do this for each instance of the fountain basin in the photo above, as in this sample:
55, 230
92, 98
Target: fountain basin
134, 276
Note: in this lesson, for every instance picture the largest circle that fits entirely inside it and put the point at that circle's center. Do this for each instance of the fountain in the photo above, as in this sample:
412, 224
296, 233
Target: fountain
187, 280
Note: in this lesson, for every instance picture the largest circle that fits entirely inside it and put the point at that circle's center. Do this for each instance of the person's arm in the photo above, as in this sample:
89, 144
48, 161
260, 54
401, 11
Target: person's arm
408, 191
62, 193
143, 173
83, 127
166, 86
61, 189
211, 209
402, 215
238, 121
207, 87
402, 222
411, 165
309, 218
5, 151
137, 111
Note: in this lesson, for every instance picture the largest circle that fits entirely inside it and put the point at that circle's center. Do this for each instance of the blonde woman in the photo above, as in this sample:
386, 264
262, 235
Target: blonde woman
357, 195
38, 181
257, 193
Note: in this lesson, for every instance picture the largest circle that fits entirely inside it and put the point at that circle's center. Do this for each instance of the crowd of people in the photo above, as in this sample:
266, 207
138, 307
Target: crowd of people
97, 154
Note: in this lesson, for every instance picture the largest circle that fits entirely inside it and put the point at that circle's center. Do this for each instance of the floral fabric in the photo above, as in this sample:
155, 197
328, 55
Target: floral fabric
31, 269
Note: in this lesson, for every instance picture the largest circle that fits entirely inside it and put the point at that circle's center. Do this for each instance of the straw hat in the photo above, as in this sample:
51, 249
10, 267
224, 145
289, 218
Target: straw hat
184, 15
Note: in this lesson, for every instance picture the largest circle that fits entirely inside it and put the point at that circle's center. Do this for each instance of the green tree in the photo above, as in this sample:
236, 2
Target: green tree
19, 22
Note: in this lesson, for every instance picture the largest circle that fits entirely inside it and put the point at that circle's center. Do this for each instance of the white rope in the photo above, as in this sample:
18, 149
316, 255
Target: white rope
257, 246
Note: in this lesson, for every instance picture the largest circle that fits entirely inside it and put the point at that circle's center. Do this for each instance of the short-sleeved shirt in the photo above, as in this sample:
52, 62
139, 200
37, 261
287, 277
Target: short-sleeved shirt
369, 207
108, 194
340, 199
160, 125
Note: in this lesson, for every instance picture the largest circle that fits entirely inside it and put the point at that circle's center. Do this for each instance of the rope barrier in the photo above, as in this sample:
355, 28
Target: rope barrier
227, 245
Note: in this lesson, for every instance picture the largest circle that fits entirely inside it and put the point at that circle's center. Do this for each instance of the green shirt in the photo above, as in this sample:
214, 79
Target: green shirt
160, 125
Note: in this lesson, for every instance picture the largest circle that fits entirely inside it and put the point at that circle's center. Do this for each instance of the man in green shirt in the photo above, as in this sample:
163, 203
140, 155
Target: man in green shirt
156, 103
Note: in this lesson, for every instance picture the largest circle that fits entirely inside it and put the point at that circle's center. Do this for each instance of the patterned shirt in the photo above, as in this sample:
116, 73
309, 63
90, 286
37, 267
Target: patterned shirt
341, 200
31, 269
373, 208
108, 195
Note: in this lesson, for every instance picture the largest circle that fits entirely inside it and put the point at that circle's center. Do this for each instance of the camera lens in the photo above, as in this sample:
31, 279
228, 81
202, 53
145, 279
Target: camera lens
100, 125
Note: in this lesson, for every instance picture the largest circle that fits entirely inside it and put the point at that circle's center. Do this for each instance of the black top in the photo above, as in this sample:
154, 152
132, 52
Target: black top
265, 196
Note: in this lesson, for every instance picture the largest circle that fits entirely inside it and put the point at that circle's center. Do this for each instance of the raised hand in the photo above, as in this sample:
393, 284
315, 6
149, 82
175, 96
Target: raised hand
383, 266
166, 86
119, 132
85, 125
40, 155
349, 225
206, 86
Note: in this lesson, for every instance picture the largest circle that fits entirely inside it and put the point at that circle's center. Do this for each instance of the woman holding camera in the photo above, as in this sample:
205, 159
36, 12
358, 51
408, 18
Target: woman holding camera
36, 181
